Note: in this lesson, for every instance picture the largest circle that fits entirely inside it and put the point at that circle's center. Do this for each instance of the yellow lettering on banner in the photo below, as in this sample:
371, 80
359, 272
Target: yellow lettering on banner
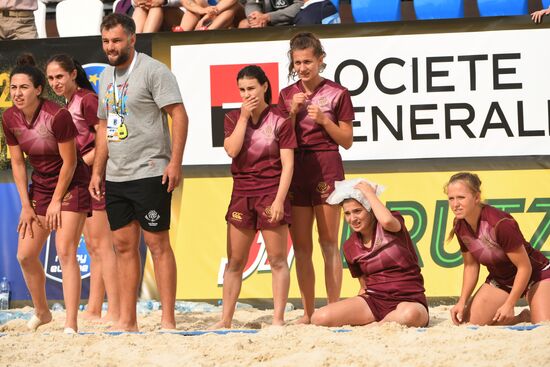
5, 87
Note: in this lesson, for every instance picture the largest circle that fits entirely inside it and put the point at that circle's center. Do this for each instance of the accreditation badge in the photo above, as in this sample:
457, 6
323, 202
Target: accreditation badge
116, 129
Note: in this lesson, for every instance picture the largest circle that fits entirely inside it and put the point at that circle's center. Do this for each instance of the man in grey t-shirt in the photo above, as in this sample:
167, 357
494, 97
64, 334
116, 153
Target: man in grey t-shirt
136, 93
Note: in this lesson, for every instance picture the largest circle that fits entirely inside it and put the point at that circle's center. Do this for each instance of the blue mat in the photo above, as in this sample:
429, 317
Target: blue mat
203, 332
511, 327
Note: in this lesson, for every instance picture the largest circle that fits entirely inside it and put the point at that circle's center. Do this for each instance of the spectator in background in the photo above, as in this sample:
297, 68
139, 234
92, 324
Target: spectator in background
211, 14
260, 14
150, 14
317, 12
17, 19
537, 15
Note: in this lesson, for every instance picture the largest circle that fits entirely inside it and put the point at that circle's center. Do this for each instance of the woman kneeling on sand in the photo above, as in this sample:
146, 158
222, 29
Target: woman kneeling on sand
381, 255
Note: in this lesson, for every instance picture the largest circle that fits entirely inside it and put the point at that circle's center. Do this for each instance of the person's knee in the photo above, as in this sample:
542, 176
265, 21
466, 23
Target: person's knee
158, 247
278, 263
236, 265
66, 254
329, 245
25, 259
414, 316
244, 24
321, 317
125, 246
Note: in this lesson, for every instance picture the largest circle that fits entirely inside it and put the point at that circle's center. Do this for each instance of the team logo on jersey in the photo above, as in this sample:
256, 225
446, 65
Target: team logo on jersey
93, 71
322, 187
42, 131
224, 94
237, 216
322, 102
280, 4
268, 132
152, 216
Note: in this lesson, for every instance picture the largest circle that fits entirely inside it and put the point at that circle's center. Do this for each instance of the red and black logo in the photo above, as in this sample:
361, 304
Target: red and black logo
224, 93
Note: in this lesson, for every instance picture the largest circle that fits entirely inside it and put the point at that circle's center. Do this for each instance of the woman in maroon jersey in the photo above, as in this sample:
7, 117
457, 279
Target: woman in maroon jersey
69, 80
492, 237
322, 114
380, 253
57, 198
261, 142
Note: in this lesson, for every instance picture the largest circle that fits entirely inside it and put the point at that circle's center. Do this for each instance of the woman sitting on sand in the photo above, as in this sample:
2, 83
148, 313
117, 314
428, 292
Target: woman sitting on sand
492, 237
381, 255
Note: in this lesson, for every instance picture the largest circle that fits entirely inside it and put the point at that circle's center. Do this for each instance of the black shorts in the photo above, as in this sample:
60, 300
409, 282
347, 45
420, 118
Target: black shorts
144, 200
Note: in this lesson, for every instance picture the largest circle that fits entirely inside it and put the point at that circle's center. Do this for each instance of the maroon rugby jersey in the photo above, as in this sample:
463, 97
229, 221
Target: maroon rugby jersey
83, 108
497, 233
390, 266
51, 125
335, 102
257, 168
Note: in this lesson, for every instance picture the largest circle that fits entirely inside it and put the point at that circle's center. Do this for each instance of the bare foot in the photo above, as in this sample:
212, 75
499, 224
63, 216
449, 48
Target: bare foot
87, 315
278, 323
524, 316
167, 326
220, 325
39, 320
108, 318
125, 328
304, 320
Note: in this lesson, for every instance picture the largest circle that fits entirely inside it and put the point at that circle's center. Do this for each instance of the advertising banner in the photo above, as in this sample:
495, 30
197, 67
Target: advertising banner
201, 229
469, 94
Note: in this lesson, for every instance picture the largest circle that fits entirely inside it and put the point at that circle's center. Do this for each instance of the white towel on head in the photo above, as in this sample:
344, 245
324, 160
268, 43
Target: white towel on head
345, 190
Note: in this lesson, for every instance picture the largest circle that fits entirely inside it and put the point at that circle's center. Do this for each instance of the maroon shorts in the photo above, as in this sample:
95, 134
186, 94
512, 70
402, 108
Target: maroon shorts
314, 176
252, 212
77, 199
542, 275
381, 305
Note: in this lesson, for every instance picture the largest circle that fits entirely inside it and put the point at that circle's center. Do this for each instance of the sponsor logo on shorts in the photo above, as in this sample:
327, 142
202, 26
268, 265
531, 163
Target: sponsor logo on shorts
153, 217
291, 195
33, 203
322, 187
267, 211
68, 196
237, 216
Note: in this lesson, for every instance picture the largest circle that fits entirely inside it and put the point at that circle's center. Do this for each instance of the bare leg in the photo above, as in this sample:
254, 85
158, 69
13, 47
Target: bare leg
28, 252
411, 314
97, 290
302, 223
105, 265
225, 19
139, 16
275, 241
154, 20
67, 238
351, 311
539, 301
126, 241
239, 241
484, 305
165, 274
328, 223
189, 21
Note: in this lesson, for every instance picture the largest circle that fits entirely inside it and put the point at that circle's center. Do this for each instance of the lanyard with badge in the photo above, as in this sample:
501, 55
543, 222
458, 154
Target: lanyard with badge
116, 128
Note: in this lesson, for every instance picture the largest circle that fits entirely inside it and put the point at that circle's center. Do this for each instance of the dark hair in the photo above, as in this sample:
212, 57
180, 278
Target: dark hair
256, 72
25, 65
69, 64
114, 19
471, 180
302, 41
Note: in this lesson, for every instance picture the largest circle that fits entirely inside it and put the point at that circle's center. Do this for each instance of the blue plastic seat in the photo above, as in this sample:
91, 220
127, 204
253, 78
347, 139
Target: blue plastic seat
336, 4
545, 4
491, 8
439, 9
376, 10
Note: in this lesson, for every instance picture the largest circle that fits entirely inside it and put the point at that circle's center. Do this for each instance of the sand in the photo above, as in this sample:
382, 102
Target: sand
441, 344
